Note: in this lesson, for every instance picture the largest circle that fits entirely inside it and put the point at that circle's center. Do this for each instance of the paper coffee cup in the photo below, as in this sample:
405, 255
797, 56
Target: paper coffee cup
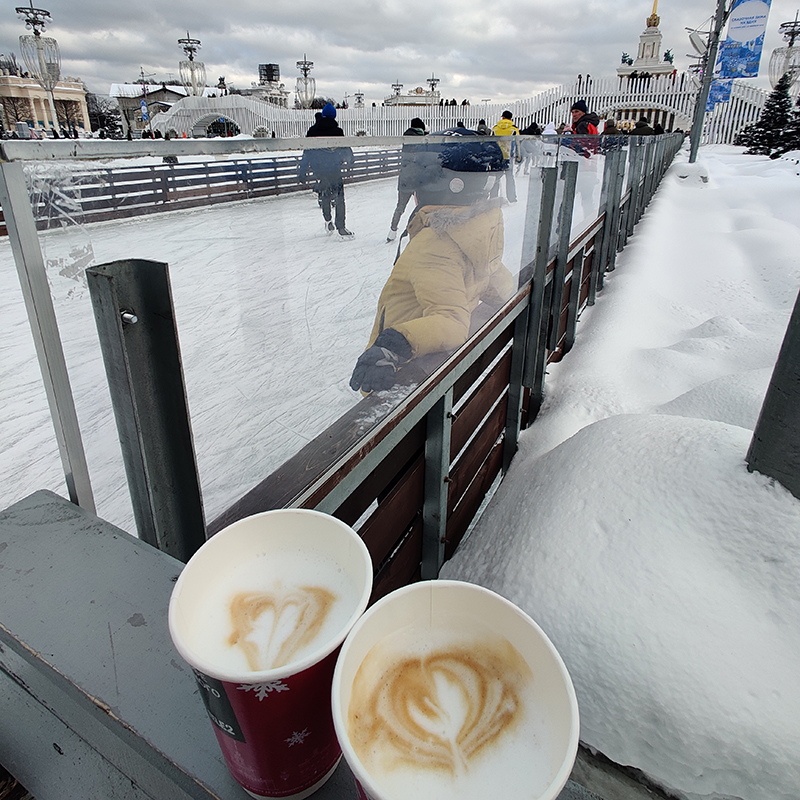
447, 690
259, 613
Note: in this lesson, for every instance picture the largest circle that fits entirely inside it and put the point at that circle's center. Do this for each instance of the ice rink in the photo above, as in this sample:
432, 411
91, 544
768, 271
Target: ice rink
271, 312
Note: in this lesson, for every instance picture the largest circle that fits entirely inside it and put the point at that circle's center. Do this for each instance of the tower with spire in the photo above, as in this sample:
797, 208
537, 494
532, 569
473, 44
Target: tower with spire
648, 58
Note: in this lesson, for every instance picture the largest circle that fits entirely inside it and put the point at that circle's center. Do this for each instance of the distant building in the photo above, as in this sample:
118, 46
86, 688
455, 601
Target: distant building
269, 89
648, 61
158, 97
23, 100
415, 97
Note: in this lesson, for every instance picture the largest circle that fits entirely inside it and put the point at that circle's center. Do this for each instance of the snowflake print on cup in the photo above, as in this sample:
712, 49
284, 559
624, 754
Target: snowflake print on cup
298, 737
263, 689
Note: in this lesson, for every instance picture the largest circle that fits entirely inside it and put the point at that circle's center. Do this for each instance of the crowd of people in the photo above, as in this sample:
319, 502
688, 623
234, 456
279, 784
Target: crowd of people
452, 261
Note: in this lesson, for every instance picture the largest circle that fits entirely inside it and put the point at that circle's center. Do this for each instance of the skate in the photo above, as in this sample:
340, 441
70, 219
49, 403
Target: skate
391, 236
329, 227
346, 234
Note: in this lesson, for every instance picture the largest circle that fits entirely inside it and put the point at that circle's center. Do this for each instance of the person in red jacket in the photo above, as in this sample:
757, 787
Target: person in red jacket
584, 122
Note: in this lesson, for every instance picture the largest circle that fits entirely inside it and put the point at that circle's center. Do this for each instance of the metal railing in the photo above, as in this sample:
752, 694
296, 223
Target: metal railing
413, 481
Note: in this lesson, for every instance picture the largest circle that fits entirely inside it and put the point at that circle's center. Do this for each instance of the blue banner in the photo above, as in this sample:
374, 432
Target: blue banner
720, 92
740, 54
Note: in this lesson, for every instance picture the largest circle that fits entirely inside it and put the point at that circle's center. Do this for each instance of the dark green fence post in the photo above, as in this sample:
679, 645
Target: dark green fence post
536, 347
775, 447
132, 303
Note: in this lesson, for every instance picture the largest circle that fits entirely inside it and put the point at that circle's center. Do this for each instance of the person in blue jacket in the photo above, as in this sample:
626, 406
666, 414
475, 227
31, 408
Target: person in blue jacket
326, 165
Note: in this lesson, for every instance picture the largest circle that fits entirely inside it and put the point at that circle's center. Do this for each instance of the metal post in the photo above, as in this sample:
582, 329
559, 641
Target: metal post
775, 447
133, 309
574, 298
437, 466
708, 62
626, 209
635, 178
609, 236
647, 165
24, 241
616, 214
515, 389
569, 174
535, 350
600, 247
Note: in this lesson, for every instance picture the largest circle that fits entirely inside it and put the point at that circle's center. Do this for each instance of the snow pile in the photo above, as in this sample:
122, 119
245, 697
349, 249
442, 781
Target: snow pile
629, 527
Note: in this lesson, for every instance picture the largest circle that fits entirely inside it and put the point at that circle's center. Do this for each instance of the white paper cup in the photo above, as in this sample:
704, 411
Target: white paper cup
458, 693
274, 726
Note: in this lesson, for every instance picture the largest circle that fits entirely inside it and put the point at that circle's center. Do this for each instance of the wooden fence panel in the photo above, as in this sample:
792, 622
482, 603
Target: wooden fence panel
103, 194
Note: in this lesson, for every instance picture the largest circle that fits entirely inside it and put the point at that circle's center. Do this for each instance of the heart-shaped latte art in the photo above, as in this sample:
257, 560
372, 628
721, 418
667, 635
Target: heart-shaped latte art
272, 627
439, 711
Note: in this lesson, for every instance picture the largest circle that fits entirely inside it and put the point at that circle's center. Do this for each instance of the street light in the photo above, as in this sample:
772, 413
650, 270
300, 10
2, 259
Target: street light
306, 86
193, 73
709, 59
786, 59
41, 54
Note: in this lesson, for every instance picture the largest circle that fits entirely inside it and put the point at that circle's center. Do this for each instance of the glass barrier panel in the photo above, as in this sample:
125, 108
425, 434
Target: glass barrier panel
273, 308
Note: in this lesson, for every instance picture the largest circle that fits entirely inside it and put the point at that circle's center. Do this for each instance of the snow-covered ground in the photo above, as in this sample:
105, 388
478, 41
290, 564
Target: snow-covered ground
271, 314
628, 526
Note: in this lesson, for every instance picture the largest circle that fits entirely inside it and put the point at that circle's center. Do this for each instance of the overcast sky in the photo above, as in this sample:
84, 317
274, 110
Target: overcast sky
503, 51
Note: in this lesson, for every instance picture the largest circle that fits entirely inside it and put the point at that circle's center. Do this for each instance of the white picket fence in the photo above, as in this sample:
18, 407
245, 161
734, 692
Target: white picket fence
667, 98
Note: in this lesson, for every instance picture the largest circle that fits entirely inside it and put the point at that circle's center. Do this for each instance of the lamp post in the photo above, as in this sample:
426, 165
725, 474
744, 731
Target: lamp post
306, 86
193, 73
41, 54
786, 59
708, 61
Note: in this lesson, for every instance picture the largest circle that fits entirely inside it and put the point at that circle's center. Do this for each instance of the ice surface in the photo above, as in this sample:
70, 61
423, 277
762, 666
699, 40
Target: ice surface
271, 314
628, 526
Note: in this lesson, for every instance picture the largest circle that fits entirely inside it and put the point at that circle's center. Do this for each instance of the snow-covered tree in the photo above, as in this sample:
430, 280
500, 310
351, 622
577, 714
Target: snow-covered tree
790, 136
762, 137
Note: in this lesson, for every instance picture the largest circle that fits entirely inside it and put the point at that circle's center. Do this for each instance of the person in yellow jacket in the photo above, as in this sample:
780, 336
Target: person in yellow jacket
510, 150
452, 263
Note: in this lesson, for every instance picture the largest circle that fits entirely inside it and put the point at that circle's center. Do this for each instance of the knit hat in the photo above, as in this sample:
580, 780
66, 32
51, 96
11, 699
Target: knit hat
329, 111
580, 105
417, 123
549, 130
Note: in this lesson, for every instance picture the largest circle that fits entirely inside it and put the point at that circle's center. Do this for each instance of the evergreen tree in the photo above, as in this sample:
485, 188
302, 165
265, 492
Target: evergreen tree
790, 135
763, 136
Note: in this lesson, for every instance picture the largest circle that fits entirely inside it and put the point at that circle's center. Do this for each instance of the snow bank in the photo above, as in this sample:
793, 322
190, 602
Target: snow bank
666, 576
628, 525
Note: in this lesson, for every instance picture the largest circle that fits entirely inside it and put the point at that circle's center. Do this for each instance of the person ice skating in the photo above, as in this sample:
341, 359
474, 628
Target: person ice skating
406, 181
642, 128
584, 122
326, 166
611, 129
529, 148
452, 263
584, 125
510, 150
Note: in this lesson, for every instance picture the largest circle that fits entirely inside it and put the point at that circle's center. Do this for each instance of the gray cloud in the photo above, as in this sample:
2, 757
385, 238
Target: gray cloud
502, 50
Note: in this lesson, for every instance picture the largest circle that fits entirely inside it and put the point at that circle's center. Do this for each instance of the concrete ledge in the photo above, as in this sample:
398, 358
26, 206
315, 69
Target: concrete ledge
94, 700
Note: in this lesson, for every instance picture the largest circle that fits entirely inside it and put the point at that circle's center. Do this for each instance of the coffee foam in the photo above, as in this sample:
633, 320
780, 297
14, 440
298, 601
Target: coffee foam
443, 714
274, 610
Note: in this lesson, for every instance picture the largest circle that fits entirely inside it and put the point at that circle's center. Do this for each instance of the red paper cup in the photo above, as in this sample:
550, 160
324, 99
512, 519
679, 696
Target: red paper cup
445, 689
273, 723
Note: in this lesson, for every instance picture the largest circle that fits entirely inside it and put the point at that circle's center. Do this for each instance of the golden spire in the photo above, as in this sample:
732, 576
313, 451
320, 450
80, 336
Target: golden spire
654, 19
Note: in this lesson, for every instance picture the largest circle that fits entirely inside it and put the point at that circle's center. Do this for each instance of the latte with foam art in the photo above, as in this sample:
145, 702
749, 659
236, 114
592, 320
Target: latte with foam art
294, 618
271, 612
445, 719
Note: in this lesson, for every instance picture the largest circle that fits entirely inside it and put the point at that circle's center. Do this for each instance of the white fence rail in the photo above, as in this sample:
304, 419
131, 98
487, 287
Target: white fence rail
667, 98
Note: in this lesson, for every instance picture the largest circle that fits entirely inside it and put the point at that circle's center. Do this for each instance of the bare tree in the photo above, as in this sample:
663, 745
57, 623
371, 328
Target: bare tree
16, 109
69, 115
